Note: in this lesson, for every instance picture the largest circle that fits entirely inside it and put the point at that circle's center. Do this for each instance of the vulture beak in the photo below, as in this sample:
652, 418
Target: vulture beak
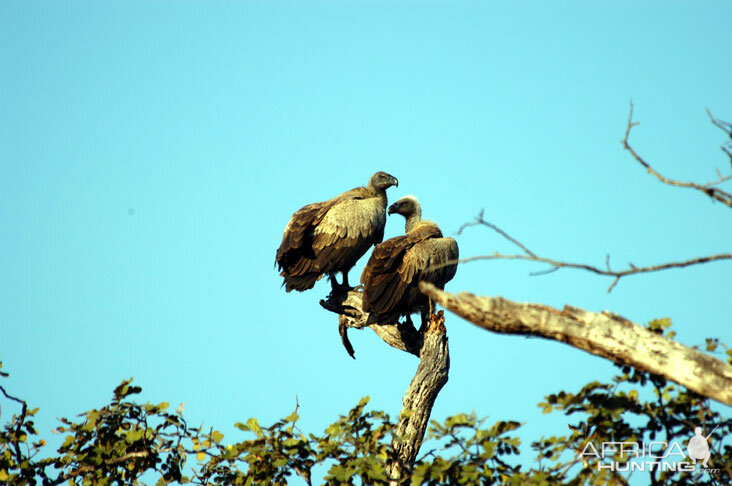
395, 181
392, 209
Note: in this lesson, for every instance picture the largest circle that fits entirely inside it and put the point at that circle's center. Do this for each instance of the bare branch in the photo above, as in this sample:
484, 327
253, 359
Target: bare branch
603, 334
708, 188
479, 220
726, 127
10, 397
557, 264
431, 376
434, 365
617, 274
351, 315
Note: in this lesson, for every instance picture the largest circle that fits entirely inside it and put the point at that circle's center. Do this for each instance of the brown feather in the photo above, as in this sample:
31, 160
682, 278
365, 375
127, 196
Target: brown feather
392, 274
330, 236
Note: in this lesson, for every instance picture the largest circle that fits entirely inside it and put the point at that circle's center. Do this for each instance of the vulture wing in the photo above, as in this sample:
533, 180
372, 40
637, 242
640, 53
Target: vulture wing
347, 231
297, 241
329, 236
425, 262
396, 266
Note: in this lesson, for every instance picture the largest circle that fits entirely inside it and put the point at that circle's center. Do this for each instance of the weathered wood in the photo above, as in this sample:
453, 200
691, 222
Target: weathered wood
401, 336
434, 365
603, 334
417, 403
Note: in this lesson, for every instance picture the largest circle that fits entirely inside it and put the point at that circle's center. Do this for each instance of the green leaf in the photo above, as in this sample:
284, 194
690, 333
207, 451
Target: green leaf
254, 425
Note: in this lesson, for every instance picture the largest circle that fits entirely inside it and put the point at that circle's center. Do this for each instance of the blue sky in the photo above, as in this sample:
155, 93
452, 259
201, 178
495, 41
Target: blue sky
152, 153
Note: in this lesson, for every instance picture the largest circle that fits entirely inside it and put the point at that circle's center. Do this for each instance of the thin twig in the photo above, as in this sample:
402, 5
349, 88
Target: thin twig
480, 221
708, 188
726, 127
21, 421
10, 397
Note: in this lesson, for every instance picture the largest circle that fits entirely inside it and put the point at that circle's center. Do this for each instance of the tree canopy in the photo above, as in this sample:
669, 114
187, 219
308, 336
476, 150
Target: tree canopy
127, 442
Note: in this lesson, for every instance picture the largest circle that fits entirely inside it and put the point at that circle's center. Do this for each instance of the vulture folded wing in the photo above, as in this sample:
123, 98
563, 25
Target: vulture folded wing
297, 240
347, 230
383, 287
427, 261
351, 218
389, 276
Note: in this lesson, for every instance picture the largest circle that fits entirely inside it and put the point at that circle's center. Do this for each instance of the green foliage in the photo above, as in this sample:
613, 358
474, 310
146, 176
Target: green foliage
120, 442
112, 445
635, 407
479, 453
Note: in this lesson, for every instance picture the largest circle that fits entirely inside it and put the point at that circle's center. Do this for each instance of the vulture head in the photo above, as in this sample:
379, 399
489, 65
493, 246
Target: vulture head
382, 181
409, 207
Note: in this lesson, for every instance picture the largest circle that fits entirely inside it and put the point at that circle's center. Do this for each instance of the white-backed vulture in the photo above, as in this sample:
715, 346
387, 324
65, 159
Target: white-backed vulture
330, 236
392, 275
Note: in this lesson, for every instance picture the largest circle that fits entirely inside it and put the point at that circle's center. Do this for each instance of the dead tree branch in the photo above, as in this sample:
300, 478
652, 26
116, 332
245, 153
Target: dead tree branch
709, 188
350, 315
431, 348
417, 403
480, 221
602, 334
726, 127
557, 264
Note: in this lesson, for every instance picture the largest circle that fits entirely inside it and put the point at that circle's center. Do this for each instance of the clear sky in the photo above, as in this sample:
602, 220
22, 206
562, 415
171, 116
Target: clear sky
151, 154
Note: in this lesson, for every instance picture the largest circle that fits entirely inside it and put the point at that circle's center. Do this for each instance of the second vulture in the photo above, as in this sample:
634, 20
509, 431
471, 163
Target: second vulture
392, 275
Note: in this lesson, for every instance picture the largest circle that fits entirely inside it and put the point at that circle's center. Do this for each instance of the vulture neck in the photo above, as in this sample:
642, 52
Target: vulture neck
413, 220
380, 193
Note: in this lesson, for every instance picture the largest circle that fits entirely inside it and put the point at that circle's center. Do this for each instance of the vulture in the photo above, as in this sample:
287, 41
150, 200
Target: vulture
330, 236
392, 275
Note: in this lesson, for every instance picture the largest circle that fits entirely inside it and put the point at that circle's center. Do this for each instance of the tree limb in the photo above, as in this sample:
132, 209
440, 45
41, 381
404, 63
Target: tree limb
708, 188
557, 264
432, 372
349, 307
417, 403
602, 334
617, 274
